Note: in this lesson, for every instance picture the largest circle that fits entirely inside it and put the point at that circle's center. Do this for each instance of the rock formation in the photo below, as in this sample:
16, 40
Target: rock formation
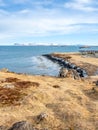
23, 125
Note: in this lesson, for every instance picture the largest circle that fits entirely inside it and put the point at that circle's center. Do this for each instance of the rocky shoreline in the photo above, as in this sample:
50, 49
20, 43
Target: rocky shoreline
35, 102
81, 63
64, 63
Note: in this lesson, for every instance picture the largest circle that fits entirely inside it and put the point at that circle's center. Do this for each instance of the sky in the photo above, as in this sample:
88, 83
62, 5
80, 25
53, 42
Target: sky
49, 21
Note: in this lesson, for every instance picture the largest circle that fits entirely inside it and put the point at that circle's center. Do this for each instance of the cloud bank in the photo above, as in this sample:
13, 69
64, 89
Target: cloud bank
22, 19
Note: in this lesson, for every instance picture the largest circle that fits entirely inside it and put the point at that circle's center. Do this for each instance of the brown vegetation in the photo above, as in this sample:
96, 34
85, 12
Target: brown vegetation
56, 86
26, 84
11, 79
66, 57
11, 94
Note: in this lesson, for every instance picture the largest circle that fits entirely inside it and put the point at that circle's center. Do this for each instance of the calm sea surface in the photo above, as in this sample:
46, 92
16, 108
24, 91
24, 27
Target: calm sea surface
29, 59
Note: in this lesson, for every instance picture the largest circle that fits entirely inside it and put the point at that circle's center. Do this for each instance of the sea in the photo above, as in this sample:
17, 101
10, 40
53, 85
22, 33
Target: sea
30, 59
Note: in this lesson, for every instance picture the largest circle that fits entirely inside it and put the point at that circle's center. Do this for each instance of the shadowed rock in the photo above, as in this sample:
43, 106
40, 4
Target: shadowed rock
97, 83
73, 74
72, 66
69, 73
95, 89
83, 73
41, 117
63, 72
23, 125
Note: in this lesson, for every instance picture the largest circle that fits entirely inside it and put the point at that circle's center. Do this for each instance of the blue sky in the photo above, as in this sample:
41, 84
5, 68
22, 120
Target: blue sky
49, 21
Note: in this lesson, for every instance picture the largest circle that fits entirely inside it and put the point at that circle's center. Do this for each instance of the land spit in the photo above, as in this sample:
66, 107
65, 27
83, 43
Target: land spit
30, 102
65, 63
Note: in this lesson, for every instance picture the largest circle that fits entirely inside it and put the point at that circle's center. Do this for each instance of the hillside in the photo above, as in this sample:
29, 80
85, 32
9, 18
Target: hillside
67, 103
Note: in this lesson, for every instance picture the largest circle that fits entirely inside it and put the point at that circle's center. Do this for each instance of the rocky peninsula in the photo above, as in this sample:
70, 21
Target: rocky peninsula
29, 102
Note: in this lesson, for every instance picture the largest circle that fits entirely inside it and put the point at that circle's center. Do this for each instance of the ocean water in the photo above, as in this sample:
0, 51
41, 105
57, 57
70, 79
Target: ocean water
29, 59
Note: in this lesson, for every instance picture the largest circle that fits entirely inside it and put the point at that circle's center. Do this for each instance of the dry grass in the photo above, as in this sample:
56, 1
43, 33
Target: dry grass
92, 94
11, 79
70, 104
12, 96
66, 57
26, 84
68, 108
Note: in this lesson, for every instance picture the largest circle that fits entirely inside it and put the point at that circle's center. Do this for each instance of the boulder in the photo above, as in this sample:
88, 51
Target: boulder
72, 66
23, 125
83, 73
97, 83
63, 72
42, 117
73, 74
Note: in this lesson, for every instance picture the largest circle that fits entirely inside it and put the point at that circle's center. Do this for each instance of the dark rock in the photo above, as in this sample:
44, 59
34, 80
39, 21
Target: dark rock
97, 83
73, 66
69, 65
83, 73
23, 125
65, 64
78, 69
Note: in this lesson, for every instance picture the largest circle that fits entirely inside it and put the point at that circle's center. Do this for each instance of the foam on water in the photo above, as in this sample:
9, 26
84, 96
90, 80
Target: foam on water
41, 65
28, 59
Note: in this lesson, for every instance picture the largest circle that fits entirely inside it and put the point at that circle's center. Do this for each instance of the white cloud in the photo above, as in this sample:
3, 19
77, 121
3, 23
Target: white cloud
83, 5
84, 1
47, 22
19, 24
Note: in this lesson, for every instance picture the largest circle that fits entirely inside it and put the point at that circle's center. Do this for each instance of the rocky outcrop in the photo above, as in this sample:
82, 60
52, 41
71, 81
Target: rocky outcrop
66, 65
41, 117
63, 72
23, 125
97, 83
69, 73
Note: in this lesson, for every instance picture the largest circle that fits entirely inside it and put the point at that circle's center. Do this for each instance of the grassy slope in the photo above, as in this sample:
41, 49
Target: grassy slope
68, 103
